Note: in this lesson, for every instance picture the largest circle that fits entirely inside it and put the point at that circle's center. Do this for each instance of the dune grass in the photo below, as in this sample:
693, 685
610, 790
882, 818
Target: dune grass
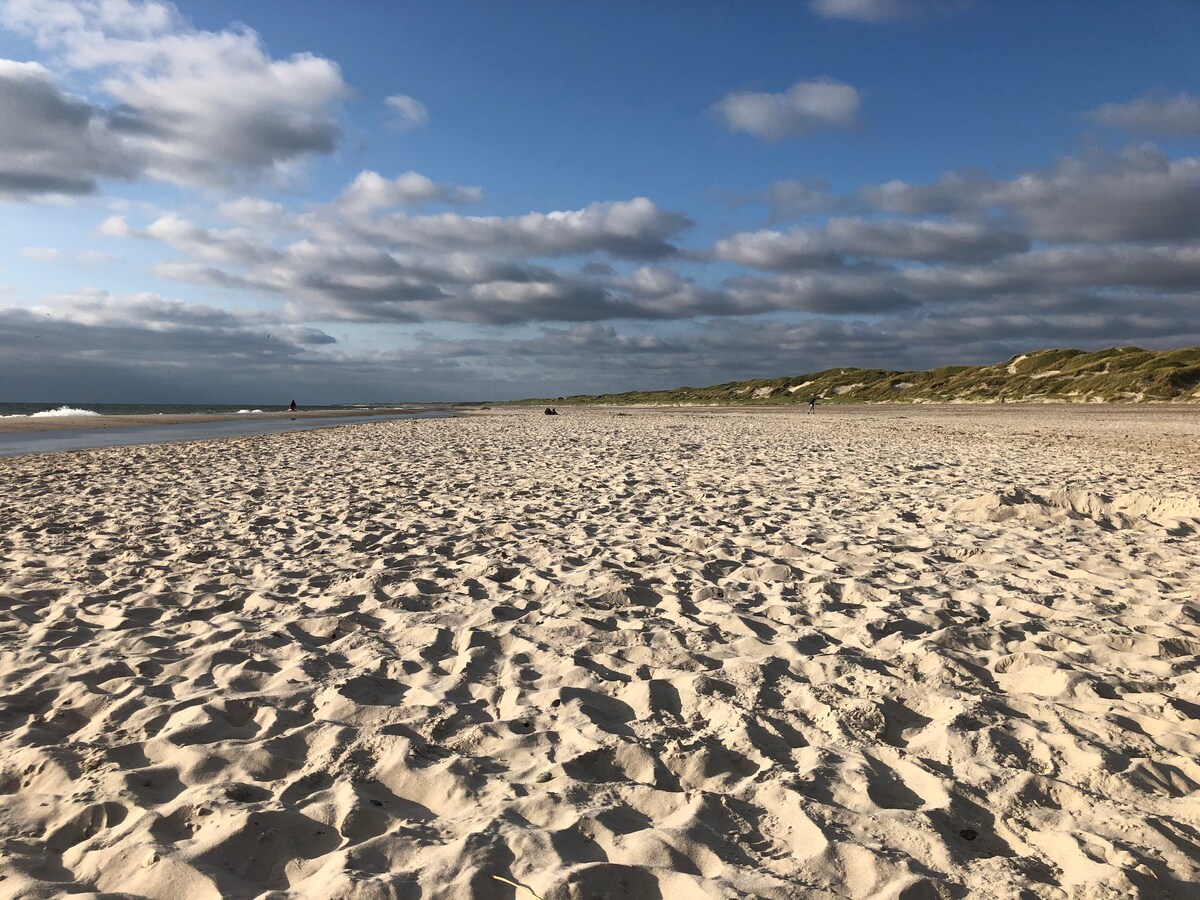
1118, 374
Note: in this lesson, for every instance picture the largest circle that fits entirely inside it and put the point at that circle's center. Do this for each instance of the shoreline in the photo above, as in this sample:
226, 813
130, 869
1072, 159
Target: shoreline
31, 424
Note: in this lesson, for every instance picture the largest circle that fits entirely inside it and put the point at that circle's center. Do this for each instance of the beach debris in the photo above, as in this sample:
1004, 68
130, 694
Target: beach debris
519, 887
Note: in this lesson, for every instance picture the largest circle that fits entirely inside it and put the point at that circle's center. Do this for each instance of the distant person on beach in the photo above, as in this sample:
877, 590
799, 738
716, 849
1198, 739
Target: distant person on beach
292, 406
812, 406
551, 411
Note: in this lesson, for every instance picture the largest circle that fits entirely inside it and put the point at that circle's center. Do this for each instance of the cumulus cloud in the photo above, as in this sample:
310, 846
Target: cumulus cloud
150, 311
788, 199
1087, 248
1154, 114
95, 258
41, 254
850, 293
923, 241
1172, 268
656, 292
232, 245
361, 228
51, 142
370, 191
1153, 273
804, 108
1140, 194
876, 12
624, 229
357, 259
249, 211
187, 106
869, 239
406, 112
114, 226
773, 250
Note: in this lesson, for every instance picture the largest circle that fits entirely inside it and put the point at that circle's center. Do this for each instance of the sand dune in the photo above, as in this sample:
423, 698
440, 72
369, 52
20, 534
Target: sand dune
906, 654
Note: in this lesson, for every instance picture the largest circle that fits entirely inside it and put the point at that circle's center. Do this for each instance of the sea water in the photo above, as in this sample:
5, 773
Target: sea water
20, 443
47, 410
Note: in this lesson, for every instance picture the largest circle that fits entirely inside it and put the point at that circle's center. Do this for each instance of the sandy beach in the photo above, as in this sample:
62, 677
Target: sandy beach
872, 653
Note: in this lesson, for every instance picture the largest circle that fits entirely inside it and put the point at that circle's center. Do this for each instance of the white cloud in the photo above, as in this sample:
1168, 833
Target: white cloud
114, 226
230, 246
146, 310
51, 142
371, 191
804, 108
1137, 195
839, 293
872, 240
876, 12
923, 241
41, 254
774, 250
1177, 116
1021, 256
357, 259
626, 229
95, 258
407, 112
71, 21
791, 198
188, 106
253, 211
1156, 270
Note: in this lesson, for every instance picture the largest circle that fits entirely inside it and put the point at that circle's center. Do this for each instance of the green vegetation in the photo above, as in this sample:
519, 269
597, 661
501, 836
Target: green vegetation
1119, 374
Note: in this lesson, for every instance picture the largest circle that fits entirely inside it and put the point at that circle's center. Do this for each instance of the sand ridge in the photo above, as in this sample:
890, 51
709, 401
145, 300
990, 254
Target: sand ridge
909, 654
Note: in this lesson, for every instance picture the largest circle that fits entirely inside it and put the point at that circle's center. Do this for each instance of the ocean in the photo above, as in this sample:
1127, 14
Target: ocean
19, 444
154, 409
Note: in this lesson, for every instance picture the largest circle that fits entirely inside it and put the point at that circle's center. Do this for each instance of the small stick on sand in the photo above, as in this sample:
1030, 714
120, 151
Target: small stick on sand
519, 887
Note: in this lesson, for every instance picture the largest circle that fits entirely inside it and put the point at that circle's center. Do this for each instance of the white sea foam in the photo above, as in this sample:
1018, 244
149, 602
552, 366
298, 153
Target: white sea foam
63, 411
242, 412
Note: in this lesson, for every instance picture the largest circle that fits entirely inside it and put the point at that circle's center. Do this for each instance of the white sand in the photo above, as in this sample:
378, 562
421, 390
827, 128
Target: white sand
869, 653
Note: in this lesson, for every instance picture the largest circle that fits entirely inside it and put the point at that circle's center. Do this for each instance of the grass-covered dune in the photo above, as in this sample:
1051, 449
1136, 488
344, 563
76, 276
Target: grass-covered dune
1119, 374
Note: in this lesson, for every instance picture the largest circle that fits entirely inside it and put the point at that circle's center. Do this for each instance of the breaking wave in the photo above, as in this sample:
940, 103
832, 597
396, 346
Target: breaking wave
63, 411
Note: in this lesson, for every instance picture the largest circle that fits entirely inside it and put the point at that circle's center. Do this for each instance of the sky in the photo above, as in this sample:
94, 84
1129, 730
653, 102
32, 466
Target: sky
376, 201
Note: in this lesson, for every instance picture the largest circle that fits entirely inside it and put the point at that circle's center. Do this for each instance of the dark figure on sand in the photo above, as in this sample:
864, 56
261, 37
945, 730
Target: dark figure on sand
292, 406
551, 411
812, 406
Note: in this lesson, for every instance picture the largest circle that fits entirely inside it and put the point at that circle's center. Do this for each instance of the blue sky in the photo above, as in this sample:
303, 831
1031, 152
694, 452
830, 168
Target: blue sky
372, 201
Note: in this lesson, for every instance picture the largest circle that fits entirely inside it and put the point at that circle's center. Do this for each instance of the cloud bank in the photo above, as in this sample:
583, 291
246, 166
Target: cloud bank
1102, 225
